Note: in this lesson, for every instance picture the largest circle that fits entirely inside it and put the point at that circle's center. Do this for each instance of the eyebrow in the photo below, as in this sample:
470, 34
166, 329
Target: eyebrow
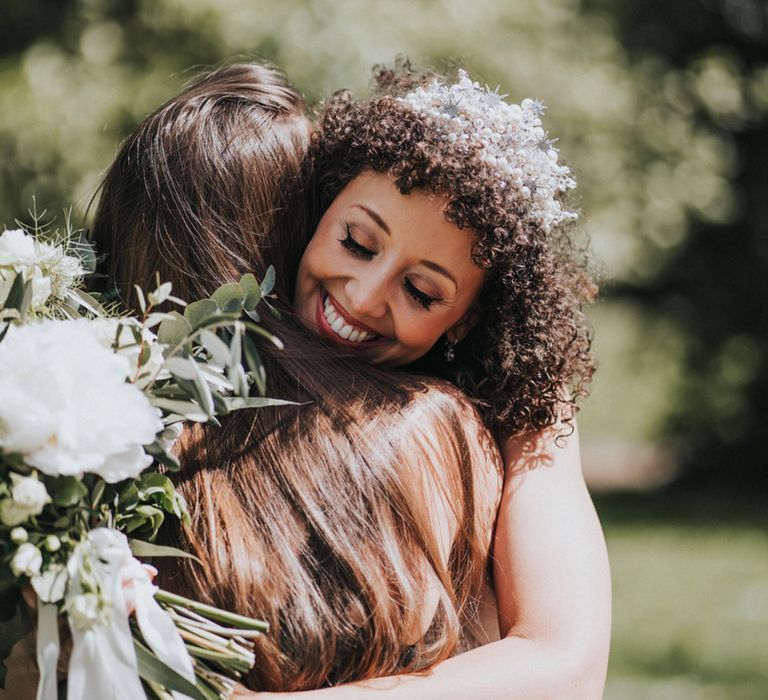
376, 218
427, 263
440, 270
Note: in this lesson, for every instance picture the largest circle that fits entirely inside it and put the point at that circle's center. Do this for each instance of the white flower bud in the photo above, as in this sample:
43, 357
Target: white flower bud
27, 560
19, 535
52, 543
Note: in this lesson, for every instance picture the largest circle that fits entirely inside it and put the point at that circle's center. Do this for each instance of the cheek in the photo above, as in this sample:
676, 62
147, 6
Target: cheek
418, 330
321, 258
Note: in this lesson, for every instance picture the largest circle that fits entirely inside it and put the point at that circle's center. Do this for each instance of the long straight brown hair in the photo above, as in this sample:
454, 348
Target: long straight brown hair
352, 522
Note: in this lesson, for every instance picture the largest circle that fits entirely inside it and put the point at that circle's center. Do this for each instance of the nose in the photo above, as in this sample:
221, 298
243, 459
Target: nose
367, 296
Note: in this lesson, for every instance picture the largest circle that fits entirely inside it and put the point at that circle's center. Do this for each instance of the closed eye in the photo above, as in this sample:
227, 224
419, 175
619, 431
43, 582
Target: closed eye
420, 297
354, 247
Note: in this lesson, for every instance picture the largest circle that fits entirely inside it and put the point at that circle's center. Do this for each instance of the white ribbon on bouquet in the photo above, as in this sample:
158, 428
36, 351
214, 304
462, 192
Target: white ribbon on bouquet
105, 583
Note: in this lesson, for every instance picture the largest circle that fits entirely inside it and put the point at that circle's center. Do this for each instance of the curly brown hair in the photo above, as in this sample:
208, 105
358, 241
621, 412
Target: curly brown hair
528, 360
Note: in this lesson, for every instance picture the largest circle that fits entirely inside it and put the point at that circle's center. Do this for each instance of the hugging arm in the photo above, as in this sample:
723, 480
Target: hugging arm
552, 589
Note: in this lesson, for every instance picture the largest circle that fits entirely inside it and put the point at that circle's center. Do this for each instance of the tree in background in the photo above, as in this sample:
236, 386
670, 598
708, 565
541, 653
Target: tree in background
712, 55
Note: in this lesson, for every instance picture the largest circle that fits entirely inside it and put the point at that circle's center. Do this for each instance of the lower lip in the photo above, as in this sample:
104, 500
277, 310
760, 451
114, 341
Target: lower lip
325, 330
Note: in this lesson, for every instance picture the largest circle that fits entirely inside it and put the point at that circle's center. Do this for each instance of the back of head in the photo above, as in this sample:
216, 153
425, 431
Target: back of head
332, 533
209, 186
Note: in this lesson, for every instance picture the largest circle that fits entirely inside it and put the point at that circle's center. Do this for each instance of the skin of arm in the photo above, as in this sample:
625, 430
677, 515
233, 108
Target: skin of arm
553, 593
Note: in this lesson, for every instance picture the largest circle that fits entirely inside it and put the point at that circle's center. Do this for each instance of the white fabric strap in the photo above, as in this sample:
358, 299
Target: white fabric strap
48, 648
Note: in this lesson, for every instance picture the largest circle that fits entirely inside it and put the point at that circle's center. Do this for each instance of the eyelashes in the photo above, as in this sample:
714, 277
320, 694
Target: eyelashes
420, 297
354, 247
360, 251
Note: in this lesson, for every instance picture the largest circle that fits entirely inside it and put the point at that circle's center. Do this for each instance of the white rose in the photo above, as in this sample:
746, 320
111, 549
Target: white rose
67, 408
51, 584
27, 560
28, 492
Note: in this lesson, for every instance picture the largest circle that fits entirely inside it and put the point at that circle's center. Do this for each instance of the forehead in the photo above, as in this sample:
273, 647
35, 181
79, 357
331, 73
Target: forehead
415, 221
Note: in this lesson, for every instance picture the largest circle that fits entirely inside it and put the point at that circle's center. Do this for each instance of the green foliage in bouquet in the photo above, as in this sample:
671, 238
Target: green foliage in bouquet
92, 405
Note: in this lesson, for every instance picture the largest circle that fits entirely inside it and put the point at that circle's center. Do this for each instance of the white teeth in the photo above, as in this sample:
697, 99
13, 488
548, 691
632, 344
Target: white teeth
341, 328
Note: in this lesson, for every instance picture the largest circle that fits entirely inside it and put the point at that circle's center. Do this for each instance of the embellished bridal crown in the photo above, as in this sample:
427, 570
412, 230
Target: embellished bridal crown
509, 140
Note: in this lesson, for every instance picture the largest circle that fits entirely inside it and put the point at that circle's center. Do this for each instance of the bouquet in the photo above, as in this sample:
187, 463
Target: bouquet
91, 403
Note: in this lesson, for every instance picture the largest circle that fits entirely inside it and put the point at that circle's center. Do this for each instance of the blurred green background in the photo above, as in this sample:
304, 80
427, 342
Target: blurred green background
661, 107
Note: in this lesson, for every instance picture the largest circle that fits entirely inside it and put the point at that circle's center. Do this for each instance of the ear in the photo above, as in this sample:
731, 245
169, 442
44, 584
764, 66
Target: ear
459, 330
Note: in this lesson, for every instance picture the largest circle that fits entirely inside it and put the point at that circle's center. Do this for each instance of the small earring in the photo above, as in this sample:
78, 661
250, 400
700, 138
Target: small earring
450, 350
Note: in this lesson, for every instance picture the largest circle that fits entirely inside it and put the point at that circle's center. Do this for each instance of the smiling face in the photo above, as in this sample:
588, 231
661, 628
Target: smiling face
385, 274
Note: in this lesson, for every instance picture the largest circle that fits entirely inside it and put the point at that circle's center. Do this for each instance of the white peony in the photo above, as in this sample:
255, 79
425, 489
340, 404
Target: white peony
27, 560
28, 498
51, 270
67, 408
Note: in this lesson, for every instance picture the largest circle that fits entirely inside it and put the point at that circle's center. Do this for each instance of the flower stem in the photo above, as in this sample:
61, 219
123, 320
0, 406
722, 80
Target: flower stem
214, 613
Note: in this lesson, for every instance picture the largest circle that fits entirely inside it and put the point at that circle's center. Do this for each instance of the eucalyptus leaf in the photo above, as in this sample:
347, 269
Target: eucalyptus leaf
198, 312
173, 331
223, 318
253, 361
215, 378
144, 354
239, 379
181, 367
156, 317
235, 403
252, 290
160, 294
229, 297
215, 346
268, 283
87, 301
140, 298
188, 409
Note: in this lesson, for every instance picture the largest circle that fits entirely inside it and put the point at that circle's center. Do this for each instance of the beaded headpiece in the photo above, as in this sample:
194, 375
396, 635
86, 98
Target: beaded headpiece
509, 141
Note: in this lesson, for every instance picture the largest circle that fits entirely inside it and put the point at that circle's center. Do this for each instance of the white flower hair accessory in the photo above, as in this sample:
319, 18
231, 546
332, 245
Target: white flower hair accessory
510, 141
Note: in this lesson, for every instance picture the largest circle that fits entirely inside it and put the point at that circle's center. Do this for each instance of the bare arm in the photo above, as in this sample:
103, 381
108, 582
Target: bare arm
552, 588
